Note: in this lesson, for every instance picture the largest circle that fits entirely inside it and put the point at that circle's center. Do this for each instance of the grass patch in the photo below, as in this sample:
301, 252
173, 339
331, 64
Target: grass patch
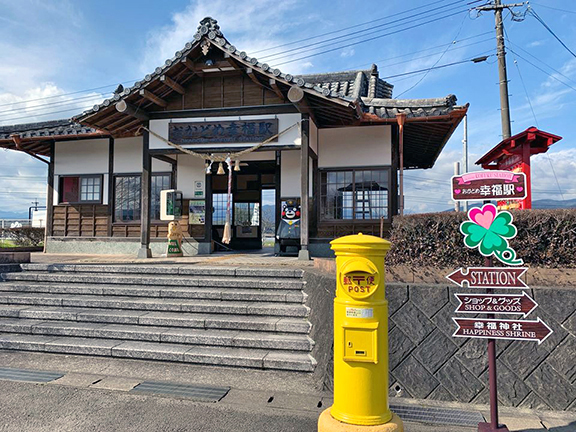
6, 243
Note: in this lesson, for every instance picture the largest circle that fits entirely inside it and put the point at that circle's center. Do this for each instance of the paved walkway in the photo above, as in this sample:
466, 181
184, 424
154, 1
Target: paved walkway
94, 395
262, 258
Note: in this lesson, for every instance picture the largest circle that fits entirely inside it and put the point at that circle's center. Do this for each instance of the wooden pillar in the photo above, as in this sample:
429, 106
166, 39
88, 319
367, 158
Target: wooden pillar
50, 196
145, 186
278, 195
110, 185
304, 254
401, 118
208, 207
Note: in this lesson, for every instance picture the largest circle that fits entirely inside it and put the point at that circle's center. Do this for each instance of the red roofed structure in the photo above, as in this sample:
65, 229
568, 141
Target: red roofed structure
513, 154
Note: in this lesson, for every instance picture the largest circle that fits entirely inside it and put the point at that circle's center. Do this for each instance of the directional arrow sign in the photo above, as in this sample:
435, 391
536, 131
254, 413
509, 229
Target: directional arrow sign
517, 304
480, 328
489, 277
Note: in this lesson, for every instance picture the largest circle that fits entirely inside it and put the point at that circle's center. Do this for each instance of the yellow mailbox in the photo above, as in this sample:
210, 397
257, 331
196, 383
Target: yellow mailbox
360, 339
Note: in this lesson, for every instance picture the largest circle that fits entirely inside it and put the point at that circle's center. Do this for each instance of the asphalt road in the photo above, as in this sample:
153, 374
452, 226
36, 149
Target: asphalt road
56, 408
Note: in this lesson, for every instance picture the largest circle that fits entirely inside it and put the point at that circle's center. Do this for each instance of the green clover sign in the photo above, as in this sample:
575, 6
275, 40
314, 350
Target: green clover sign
489, 230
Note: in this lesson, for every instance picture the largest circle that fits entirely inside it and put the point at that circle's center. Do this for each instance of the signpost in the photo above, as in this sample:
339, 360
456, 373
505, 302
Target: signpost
489, 231
514, 304
523, 330
489, 277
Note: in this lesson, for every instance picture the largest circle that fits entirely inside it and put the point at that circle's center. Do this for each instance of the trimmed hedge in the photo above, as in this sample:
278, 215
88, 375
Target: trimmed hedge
25, 236
546, 238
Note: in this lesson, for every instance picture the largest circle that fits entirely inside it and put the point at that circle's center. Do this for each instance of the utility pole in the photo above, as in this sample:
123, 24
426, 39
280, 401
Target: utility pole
497, 6
465, 154
456, 172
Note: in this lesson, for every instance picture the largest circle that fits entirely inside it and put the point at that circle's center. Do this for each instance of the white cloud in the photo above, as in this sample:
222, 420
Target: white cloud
33, 106
251, 25
536, 43
347, 52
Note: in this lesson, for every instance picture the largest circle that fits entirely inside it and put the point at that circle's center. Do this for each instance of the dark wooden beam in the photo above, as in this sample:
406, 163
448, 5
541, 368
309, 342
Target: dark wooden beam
304, 254
276, 89
253, 76
146, 94
190, 66
18, 142
297, 96
131, 110
145, 186
110, 185
50, 196
172, 84
220, 112
164, 158
233, 61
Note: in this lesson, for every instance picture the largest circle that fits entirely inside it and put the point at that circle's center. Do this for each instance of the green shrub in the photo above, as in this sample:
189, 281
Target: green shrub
25, 236
546, 238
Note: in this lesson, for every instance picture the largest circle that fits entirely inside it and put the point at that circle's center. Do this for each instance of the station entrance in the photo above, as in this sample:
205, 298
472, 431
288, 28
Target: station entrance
252, 205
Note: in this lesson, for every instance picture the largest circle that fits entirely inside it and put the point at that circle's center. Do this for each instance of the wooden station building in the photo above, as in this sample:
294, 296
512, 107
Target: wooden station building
340, 144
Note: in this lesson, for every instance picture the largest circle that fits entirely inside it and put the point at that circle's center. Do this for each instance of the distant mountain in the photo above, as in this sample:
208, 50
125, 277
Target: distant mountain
13, 215
552, 204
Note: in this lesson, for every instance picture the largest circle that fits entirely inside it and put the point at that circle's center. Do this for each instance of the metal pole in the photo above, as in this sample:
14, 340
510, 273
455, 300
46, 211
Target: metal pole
465, 153
456, 172
401, 118
501, 53
492, 381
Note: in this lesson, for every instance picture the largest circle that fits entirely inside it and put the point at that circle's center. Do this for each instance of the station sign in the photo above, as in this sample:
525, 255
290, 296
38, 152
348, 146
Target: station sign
489, 277
513, 304
483, 328
489, 185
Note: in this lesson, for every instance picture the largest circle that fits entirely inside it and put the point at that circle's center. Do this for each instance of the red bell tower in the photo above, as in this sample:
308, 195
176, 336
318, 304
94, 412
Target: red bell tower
513, 154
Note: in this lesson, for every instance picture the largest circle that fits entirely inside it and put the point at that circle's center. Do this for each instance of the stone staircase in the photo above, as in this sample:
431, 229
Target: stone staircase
246, 317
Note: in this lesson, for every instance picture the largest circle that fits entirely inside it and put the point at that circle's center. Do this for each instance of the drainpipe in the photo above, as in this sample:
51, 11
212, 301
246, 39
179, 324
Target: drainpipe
401, 118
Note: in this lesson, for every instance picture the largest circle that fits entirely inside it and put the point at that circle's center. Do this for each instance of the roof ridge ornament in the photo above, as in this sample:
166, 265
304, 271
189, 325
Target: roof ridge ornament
207, 25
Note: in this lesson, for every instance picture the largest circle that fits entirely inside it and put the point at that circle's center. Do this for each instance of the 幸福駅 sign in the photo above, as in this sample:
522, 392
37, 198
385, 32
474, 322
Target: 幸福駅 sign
487, 185
212, 132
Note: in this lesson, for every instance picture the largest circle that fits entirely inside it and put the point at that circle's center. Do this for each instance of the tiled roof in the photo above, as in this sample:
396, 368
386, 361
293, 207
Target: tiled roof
47, 129
347, 86
413, 108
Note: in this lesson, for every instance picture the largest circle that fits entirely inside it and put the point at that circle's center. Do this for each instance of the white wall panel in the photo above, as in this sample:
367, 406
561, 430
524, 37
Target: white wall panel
355, 146
81, 157
190, 169
290, 174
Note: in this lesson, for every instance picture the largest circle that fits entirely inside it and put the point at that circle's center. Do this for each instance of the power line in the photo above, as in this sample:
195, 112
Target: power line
553, 8
48, 113
347, 28
57, 103
441, 66
435, 63
362, 33
371, 39
541, 21
67, 94
542, 70
428, 49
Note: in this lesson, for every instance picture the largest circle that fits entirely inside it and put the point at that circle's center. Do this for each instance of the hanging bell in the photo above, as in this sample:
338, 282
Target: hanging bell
237, 165
220, 169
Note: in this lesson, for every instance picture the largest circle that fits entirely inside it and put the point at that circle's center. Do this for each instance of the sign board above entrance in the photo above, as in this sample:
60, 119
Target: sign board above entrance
489, 185
213, 132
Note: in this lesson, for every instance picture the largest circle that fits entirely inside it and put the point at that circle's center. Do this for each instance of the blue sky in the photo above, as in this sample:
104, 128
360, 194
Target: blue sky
49, 49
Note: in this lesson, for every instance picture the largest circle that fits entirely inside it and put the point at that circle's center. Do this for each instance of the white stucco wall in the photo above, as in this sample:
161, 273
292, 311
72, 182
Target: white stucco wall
190, 169
292, 137
313, 136
128, 157
355, 146
290, 174
81, 157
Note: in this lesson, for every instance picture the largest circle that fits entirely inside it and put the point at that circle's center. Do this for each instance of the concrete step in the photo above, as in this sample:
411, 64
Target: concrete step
156, 304
157, 280
212, 293
178, 335
175, 269
241, 357
159, 319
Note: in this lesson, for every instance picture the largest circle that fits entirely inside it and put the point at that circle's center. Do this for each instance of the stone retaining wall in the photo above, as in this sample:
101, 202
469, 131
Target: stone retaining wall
426, 362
